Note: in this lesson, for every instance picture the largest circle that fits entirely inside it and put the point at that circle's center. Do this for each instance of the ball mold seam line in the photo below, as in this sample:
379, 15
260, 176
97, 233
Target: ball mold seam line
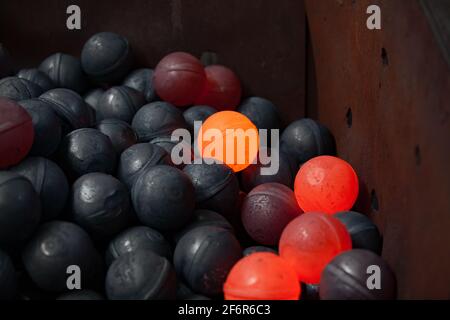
130, 104
14, 177
61, 111
161, 280
10, 128
200, 249
277, 196
215, 189
354, 281
117, 63
315, 129
42, 169
331, 226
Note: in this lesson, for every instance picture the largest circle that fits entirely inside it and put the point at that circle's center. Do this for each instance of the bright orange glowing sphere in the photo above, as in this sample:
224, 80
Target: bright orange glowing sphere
311, 241
262, 276
326, 184
230, 138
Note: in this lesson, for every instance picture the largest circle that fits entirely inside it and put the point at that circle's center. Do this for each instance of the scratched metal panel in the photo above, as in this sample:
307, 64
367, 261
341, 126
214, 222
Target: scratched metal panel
385, 94
262, 40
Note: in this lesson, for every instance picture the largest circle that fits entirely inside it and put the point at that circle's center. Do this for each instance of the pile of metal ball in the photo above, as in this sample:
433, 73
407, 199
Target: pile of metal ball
88, 187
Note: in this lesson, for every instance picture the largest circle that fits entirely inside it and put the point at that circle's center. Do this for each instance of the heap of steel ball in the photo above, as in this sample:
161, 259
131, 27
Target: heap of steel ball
87, 181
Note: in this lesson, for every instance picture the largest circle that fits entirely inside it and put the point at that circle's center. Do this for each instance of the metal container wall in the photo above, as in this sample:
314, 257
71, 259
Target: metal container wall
385, 94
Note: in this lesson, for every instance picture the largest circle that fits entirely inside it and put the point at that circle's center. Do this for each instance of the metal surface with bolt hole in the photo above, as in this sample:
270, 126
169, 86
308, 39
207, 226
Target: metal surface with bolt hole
397, 84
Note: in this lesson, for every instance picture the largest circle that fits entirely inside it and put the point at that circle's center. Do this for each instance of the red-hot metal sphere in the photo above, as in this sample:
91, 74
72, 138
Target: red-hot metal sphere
222, 89
237, 148
326, 184
311, 241
16, 133
179, 78
262, 276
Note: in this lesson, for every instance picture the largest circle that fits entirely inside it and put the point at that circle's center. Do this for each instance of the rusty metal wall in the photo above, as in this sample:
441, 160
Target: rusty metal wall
262, 40
386, 96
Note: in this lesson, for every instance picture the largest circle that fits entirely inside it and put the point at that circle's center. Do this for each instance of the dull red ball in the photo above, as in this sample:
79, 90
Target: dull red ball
179, 78
311, 241
222, 89
266, 211
262, 276
16, 133
326, 184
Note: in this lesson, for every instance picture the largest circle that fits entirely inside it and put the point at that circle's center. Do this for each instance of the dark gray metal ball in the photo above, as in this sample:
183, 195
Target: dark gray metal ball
49, 182
262, 112
119, 103
203, 218
138, 238
101, 204
56, 246
141, 275
204, 256
251, 176
163, 197
17, 89
363, 231
20, 210
216, 187
106, 57
92, 97
157, 119
47, 127
305, 139
38, 77
65, 71
134, 160
346, 277
120, 133
168, 144
70, 107
197, 113
87, 150
164, 142
142, 81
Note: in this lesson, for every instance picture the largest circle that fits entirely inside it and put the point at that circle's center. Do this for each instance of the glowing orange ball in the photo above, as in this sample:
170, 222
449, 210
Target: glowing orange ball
311, 241
229, 137
326, 184
262, 276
